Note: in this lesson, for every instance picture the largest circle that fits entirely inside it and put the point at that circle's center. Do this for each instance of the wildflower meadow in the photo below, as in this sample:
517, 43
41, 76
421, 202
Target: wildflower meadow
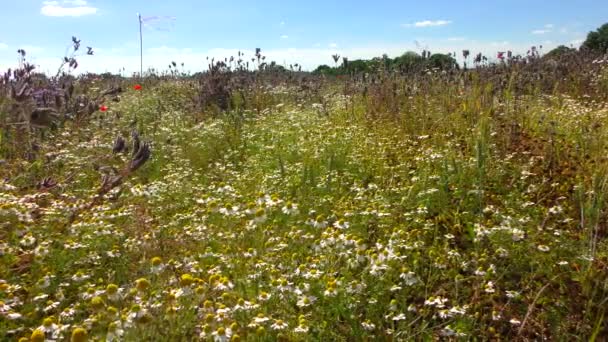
383, 200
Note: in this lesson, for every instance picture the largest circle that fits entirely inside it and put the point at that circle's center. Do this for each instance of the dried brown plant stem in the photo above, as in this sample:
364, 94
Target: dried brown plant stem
140, 156
531, 307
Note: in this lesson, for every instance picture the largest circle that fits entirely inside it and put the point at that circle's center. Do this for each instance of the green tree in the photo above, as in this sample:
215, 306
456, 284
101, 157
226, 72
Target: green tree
409, 60
358, 66
558, 51
324, 70
442, 61
273, 66
597, 40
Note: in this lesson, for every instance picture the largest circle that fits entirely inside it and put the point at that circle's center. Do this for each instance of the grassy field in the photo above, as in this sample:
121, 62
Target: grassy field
468, 205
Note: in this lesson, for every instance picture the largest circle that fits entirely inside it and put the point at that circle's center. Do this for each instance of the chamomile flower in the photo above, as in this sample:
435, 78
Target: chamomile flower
313, 274
138, 314
67, 314
279, 324
368, 325
28, 240
458, 310
438, 302
113, 293
259, 216
51, 306
543, 248
301, 329
319, 222
229, 210
45, 281
13, 316
517, 234
556, 210
142, 284
260, 319
447, 331
341, 224
443, 313
512, 294
264, 296
305, 301
290, 209
399, 317
80, 276
206, 331
489, 287
243, 305
330, 291
222, 334
50, 329
115, 331
79, 335
409, 278
157, 265
37, 336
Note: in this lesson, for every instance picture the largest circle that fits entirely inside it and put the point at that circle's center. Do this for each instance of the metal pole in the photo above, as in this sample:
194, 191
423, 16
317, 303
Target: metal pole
141, 49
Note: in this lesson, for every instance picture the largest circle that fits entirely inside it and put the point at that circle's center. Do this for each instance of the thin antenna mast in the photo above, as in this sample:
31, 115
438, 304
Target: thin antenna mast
141, 48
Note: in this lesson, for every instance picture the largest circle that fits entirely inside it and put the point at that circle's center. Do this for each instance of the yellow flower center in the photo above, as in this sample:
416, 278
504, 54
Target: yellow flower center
79, 335
186, 280
112, 289
47, 322
142, 284
156, 261
37, 336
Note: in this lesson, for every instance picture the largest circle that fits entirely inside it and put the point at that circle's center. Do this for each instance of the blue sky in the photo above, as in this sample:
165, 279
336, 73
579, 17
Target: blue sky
288, 32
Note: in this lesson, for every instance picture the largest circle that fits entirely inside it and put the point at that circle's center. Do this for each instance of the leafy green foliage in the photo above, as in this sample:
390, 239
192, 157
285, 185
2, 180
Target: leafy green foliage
442, 61
559, 51
598, 40
408, 62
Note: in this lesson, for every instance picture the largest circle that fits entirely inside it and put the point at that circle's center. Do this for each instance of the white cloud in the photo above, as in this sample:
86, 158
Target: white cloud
282, 23
577, 42
428, 23
284, 36
546, 29
67, 8
3, 46
75, 2
541, 31
333, 45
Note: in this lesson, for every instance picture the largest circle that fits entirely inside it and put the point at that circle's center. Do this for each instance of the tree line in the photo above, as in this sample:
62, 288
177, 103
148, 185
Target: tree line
597, 41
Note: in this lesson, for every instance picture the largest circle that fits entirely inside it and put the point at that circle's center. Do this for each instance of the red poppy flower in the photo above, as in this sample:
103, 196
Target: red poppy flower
103, 108
137, 87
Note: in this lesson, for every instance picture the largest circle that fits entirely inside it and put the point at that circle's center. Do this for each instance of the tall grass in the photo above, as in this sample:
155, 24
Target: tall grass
280, 205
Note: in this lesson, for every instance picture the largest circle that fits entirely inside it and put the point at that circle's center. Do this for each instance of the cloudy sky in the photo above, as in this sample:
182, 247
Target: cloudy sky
305, 32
